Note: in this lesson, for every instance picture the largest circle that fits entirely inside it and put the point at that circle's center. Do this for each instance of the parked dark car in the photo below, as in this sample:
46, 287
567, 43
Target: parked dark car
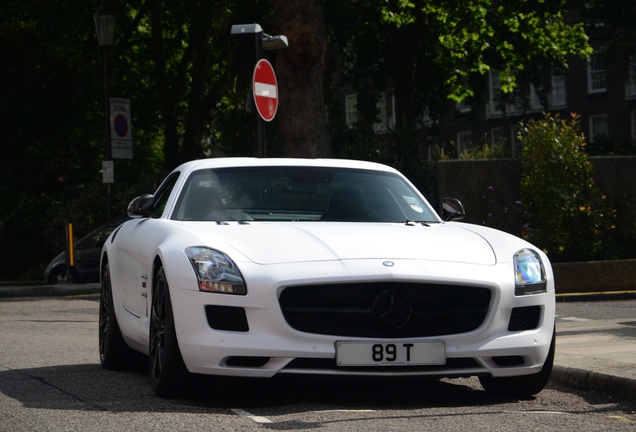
87, 251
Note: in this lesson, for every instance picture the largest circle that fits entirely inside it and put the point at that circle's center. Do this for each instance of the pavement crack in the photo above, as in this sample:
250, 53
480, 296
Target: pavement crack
44, 382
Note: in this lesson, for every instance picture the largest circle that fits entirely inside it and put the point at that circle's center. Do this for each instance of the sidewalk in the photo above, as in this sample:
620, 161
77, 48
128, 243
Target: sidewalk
597, 355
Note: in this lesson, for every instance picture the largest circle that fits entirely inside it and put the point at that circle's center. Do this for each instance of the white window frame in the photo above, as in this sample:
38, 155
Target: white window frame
630, 84
598, 121
463, 107
596, 74
351, 109
557, 98
464, 141
494, 89
385, 121
427, 120
433, 148
496, 135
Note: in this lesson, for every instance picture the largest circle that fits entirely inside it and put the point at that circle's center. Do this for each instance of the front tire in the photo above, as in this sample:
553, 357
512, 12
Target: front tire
525, 386
168, 373
58, 275
113, 351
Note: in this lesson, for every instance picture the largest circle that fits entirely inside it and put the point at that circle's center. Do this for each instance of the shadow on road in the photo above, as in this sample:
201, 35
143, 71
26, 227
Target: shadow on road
89, 387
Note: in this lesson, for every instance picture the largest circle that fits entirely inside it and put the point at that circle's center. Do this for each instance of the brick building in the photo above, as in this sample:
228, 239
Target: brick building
602, 91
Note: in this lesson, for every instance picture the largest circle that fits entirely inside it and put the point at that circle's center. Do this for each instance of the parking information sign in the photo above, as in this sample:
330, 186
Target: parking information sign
108, 173
120, 129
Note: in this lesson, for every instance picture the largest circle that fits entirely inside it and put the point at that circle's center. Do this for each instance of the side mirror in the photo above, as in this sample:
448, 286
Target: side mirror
141, 206
452, 209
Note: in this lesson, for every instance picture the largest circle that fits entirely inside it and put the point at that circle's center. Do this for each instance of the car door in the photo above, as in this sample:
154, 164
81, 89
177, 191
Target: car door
137, 243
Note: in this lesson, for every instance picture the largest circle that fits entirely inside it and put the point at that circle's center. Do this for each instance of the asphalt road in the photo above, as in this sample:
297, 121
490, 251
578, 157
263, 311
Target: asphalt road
50, 379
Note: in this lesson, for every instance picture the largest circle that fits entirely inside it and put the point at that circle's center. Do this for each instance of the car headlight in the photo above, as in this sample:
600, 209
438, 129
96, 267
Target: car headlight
215, 271
529, 273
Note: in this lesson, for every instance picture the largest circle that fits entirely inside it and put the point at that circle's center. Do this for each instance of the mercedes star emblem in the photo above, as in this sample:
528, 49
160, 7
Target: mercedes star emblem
392, 309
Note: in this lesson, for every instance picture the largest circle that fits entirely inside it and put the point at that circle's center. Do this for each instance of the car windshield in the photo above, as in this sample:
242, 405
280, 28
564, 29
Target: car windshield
299, 194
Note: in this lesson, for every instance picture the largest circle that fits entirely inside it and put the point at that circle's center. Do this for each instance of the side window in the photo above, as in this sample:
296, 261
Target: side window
163, 193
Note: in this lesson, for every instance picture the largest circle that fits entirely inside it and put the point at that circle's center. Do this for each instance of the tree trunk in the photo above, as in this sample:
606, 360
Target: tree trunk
301, 118
403, 55
199, 37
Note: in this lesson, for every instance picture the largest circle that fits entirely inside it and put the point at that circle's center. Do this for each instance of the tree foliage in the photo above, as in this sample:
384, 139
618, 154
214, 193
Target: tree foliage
188, 81
430, 51
568, 218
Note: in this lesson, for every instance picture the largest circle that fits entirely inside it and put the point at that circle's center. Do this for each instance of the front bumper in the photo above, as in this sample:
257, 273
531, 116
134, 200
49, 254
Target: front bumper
271, 346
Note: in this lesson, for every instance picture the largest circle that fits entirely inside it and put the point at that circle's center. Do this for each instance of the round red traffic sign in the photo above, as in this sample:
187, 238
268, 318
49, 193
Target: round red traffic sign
265, 90
121, 125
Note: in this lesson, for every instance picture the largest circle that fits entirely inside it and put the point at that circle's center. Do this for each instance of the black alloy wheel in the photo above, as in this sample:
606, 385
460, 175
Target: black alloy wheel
168, 373
113, 351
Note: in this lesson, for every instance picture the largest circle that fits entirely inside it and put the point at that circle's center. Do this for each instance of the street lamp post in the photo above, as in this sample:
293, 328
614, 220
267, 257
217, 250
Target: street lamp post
262, 41
105, 26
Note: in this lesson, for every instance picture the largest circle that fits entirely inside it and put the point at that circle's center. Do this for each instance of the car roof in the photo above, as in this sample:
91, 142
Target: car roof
256, 162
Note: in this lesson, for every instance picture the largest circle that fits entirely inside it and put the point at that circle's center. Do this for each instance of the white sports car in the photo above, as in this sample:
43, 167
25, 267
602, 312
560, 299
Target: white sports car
259, 267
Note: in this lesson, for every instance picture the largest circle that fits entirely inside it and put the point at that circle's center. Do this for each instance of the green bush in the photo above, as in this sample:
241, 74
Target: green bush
567, 216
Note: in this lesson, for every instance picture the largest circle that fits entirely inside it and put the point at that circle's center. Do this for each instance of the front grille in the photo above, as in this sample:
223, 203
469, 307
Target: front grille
228, 318
348, 309
524, 318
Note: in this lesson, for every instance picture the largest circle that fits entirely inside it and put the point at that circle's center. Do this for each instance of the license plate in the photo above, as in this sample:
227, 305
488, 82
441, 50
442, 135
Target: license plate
390, 353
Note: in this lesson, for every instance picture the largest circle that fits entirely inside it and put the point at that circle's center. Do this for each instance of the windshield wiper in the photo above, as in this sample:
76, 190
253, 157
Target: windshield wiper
410, 222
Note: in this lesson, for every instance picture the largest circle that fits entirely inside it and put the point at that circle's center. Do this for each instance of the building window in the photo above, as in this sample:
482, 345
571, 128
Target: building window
464, 141
434, 149
427, 120
386, 121
496, 136
463, 107
596, 74
351, 106
494, 87
535, 102
557, 98
630, 84
598, 127
516, 144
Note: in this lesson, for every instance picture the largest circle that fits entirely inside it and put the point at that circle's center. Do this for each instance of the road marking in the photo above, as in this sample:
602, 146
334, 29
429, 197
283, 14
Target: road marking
534, 412
573, 319
347, 411
621, 419
257, 419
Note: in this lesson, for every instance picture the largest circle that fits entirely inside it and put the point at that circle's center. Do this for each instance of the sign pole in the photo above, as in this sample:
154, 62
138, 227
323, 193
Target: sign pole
260, 124
262, 42
108, 154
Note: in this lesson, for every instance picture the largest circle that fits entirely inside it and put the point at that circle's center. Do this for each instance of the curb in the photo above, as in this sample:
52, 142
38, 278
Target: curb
596, 296
49, 290
614, 386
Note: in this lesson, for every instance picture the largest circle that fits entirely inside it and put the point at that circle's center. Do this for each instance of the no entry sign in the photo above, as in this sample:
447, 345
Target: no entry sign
265, 90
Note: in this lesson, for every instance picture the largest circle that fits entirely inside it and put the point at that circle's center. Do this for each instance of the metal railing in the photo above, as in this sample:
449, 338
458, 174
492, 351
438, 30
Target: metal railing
25, 251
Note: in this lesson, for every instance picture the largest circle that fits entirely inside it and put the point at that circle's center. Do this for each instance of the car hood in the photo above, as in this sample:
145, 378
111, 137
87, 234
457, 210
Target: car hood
276, 243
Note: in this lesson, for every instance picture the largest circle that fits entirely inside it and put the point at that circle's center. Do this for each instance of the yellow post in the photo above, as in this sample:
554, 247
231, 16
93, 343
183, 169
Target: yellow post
71, 246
